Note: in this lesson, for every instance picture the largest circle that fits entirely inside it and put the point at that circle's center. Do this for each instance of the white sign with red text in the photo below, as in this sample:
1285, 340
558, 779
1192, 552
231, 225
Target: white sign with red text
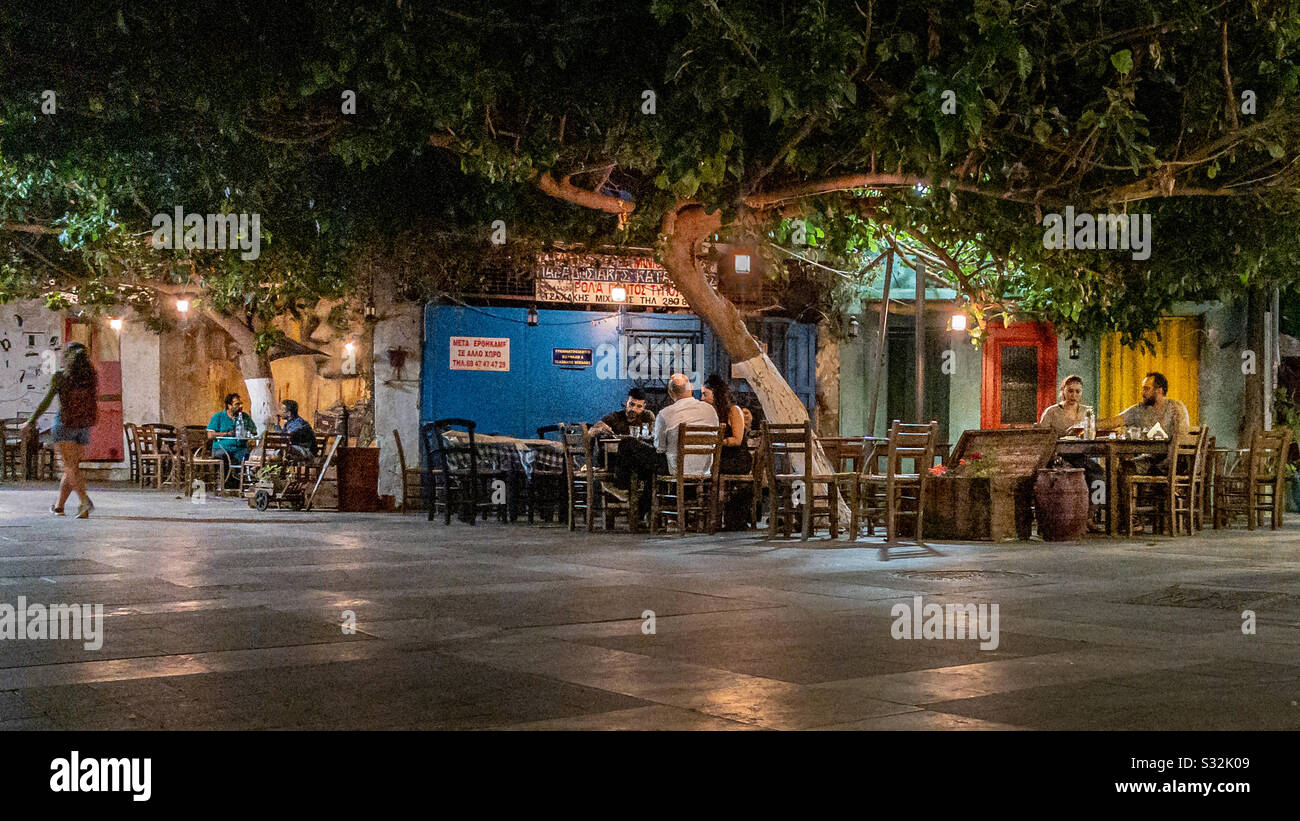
480, 353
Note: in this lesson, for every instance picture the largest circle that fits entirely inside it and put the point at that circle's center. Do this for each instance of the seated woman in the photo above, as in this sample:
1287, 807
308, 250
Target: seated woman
736, 458
1069, 415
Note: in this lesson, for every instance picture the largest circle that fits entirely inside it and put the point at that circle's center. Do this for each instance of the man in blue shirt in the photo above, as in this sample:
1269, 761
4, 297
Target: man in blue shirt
302, 439
232, 420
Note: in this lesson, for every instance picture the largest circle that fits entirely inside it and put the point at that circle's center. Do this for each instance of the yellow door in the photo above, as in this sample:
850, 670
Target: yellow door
1177, 355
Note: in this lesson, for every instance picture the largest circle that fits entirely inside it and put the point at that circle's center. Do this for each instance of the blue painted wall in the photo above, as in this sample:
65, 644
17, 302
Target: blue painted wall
536, 392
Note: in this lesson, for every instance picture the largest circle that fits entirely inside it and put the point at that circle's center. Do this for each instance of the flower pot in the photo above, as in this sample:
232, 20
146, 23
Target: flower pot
1061, 504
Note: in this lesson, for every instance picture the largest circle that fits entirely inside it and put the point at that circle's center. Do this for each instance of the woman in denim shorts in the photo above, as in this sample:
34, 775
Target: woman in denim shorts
77, 387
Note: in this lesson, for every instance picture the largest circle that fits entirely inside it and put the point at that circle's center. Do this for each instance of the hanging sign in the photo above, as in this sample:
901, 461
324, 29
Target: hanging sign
591, 278
480, 353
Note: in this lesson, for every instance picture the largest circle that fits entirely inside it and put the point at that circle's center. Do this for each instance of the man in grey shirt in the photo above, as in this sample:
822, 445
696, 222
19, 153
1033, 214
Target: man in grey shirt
1154, 408
685, 410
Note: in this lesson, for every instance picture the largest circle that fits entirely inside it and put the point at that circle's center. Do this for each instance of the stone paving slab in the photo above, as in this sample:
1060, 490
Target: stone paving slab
218, 616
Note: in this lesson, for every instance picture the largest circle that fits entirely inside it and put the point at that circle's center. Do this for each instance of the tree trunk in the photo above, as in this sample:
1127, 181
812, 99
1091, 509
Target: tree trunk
684, 228
1254, 402
255, 368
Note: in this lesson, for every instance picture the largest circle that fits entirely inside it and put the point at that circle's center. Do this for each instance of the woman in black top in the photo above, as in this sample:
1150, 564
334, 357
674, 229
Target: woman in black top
736, 458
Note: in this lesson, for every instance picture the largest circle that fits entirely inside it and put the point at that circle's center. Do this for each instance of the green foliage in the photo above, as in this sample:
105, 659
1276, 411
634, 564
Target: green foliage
236, 108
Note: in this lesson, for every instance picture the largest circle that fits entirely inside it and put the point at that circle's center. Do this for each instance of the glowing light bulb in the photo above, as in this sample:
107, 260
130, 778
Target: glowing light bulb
618, 293
959, 322
115, 323
742, 263
183, 305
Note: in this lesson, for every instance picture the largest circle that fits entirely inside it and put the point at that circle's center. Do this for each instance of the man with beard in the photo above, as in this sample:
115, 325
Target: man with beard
1154, 407
621, 422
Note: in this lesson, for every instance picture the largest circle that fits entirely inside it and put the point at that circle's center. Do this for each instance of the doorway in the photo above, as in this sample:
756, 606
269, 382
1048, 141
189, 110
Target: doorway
1019, 374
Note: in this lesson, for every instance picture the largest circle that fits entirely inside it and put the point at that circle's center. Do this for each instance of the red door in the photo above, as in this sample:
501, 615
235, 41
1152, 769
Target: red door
1019, 371
105, 354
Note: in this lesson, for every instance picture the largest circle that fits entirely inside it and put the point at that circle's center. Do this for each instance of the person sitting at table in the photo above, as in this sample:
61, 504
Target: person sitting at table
302, 439
637, 458
1067, 416
1154, 408
621, 422
736, 458
233, 449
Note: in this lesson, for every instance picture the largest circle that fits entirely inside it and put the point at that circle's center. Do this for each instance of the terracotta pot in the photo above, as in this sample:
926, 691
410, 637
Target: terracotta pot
1061, 501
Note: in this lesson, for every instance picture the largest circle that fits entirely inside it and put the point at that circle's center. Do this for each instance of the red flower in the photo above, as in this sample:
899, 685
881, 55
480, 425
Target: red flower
976, 455
961, 461
938, 470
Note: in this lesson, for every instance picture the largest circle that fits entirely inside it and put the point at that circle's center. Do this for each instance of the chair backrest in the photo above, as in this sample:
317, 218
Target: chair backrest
1268, 452
445, 447
1199, 458
700, 442
132, 439
845, 453
1181, 460
914, 443
577, 449
788, 444
401, 454
195, 442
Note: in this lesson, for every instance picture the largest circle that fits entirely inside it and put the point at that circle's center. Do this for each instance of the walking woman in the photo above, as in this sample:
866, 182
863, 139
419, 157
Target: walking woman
77, 387
735, 456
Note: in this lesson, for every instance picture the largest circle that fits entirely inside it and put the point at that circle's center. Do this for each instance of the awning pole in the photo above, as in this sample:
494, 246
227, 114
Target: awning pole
880, 346
919, 340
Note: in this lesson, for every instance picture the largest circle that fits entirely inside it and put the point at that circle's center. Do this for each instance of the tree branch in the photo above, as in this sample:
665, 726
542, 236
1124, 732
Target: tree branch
564, 190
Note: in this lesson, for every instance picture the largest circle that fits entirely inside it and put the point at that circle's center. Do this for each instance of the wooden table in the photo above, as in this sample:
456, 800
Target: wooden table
1112, 450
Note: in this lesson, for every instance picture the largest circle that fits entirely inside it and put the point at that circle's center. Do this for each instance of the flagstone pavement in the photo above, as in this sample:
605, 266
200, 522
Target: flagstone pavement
217, 616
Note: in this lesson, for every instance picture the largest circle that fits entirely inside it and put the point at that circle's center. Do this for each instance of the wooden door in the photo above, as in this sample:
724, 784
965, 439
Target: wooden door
105, 354
1019, 374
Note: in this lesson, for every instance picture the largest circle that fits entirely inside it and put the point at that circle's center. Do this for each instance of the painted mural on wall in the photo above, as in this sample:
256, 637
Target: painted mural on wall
31, 340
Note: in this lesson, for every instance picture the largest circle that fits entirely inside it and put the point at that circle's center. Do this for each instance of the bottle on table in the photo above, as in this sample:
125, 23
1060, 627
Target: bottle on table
239, 427
1090, 425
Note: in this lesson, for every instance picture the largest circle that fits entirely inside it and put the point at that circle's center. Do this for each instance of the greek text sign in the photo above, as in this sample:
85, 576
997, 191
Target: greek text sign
571, 357
480, 353
571, 278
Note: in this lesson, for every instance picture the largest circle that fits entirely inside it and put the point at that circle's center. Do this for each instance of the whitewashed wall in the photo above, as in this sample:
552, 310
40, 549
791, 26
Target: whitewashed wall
27, 329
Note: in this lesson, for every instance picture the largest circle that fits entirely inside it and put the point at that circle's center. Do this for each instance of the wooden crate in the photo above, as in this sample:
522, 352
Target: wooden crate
993, 508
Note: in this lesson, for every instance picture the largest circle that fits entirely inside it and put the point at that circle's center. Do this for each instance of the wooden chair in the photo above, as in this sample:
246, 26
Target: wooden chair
885, 493
1255, 483
790, 450
683, 493
587, 483
413, 495
11, 450
132, 435
547, 488
157, 454
1168, 497
198, 461
727, 483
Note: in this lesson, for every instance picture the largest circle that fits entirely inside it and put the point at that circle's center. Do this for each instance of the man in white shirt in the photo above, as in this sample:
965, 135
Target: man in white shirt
685, 410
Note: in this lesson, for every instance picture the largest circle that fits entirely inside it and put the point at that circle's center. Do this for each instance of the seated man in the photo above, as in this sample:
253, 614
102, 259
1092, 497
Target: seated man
232, 420
621, 422
1154, 407
302, 439
645, 461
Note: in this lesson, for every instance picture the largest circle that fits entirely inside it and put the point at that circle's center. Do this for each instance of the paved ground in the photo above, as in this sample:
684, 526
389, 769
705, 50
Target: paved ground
217, 616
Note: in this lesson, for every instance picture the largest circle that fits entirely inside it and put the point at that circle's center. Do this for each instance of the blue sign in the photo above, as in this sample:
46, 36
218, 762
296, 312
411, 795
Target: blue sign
571, 357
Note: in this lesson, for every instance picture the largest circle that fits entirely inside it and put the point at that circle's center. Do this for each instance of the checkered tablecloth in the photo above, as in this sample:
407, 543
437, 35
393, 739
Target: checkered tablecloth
506, 454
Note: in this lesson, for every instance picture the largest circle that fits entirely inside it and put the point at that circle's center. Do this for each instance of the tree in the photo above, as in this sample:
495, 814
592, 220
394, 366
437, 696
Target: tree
953, 127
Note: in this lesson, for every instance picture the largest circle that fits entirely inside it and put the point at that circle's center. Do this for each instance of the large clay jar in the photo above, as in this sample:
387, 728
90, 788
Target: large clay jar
1061, 501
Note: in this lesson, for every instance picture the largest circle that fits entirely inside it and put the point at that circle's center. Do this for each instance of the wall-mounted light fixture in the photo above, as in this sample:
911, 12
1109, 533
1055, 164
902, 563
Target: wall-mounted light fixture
115, 323
532, 316
957, 322
1074, 349
183, 305
618, 293
853, 327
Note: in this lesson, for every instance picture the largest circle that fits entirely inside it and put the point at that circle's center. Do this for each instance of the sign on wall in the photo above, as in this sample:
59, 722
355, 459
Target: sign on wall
591, 278
571, 357
480, 353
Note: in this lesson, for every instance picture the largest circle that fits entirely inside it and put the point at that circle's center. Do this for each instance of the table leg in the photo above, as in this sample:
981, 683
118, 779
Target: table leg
633, 504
